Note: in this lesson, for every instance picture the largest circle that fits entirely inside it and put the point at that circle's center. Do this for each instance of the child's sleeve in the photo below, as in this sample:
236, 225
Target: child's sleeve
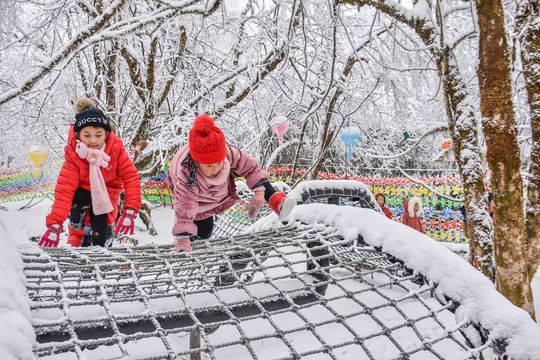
185, 204
243, 164
132, 181
66, 185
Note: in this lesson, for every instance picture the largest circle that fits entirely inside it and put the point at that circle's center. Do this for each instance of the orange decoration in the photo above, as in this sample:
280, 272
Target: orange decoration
446, 144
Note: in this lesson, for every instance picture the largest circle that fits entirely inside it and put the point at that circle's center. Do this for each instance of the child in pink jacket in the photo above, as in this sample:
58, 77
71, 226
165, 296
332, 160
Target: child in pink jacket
201, 181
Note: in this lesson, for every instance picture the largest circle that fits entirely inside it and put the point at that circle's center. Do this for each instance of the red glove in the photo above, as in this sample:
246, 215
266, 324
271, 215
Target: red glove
183, 244
51, 237
255, 204
126, 222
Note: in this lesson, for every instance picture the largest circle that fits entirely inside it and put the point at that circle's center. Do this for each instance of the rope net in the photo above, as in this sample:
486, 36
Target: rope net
294, 292
235, 220
297, 291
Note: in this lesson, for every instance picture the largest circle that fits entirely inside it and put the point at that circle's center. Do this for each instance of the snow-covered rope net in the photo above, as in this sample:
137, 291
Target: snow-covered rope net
338, 192
339, 282
291, 292
235, 220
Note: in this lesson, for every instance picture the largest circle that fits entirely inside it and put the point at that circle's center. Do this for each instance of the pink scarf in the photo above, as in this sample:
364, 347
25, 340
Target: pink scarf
101, 203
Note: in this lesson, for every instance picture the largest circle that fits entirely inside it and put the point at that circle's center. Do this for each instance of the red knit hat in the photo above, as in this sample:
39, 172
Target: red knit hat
206, 141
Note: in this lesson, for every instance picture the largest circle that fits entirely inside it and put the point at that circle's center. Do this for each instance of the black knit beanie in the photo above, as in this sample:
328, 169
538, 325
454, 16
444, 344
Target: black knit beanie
91, 117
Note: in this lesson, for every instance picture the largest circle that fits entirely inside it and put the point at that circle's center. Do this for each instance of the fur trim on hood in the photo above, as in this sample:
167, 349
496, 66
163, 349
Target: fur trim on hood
410, 207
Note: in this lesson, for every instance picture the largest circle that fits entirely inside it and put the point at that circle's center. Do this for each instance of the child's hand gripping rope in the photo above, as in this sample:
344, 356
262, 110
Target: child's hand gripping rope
255, 204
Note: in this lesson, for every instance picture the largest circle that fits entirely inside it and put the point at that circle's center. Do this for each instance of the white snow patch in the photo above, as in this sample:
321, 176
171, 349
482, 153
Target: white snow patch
16, 333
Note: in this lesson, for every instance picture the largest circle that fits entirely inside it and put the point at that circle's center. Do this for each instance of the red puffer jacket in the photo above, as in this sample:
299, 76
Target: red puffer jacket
120, 175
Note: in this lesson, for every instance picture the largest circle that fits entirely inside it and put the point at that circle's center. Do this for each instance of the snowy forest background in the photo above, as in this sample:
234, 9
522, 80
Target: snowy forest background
155, 65
406, 73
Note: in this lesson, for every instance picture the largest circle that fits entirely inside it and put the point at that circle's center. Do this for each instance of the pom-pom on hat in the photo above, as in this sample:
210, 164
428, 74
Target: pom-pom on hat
206, 141
87, 114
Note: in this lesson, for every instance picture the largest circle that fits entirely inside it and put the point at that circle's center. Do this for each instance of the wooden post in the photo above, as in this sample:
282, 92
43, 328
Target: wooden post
195, 343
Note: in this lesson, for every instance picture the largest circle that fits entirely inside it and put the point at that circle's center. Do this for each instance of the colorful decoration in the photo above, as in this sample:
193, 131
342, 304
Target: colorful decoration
283, 173
446, 152
446, 144
23, 186
37, 157
280, 125
156, 191
350, 136
442, 219
406, 136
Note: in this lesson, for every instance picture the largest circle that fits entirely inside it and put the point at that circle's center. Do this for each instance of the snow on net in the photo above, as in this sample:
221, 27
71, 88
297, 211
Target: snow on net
338, 192
292, 292
310, 290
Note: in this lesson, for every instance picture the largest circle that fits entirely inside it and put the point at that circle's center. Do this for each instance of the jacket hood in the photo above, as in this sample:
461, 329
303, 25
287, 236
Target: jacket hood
410, 207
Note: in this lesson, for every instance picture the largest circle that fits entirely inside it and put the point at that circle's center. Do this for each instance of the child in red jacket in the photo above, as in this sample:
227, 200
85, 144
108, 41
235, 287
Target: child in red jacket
381, 200
95, 171
201, 181
412, 209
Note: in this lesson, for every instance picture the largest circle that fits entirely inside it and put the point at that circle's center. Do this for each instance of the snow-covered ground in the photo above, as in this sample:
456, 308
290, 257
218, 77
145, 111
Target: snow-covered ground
16, 332
20, 225
27, 223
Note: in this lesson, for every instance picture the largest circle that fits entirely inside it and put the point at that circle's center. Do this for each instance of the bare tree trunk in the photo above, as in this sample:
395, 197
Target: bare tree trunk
464, 133
529, 35
84, 79
144, 88
300, 142
110, 88
326, 141
496, 106
100, 71
463, 129
143, 132
327, 133
145, 214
